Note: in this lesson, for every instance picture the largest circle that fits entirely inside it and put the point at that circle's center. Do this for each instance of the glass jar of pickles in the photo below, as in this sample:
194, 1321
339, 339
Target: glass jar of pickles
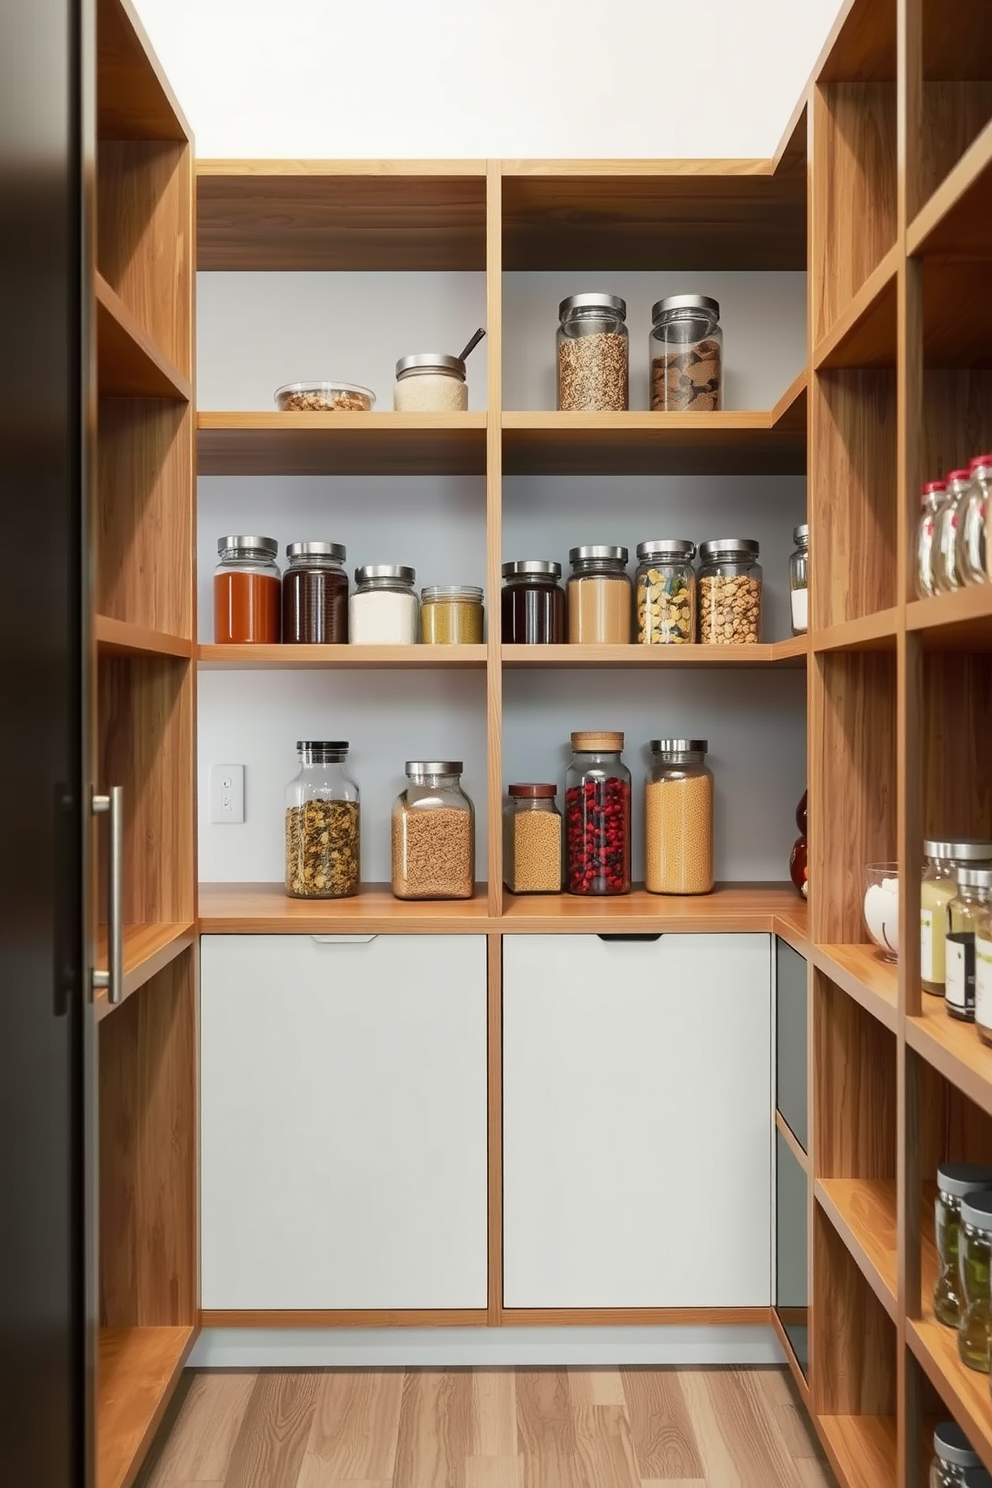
954, 1182
665, 592
975, 1246
973, 897
939, 886
451, 615
952, 1457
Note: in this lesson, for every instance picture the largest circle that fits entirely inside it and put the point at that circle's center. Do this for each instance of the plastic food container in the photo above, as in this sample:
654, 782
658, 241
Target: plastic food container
324, 397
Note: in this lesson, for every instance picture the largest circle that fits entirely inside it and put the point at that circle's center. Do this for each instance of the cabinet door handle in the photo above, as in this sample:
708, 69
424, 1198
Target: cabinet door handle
646, 936
112, 980
342, 939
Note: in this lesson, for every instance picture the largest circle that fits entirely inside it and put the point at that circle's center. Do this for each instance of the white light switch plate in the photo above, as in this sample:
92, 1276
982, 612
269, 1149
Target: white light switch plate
227, 793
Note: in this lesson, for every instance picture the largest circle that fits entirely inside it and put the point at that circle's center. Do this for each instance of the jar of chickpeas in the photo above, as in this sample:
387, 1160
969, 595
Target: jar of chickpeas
665, 590
729, 592
678, 818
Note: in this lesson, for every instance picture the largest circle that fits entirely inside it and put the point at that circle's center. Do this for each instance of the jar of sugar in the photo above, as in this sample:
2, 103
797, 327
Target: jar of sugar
384, 609
430, 382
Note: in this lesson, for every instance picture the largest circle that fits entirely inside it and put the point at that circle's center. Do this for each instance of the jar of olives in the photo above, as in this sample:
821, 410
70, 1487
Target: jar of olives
975, 1246
954, 1182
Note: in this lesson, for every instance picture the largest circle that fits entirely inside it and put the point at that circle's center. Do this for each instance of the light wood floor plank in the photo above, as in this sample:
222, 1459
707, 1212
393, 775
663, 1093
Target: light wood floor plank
661, 1430
794, 1426
491, 1472
355, 1426
199, 1448
436, 1429
596, 1387
494, 1413
545, 1415
273, 1437
604, 1453
742, 1413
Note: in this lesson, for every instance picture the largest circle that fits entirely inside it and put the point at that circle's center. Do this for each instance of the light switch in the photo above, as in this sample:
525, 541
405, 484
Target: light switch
227, 793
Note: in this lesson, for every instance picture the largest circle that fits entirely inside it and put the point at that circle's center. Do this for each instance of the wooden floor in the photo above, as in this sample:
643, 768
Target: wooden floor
524, 1428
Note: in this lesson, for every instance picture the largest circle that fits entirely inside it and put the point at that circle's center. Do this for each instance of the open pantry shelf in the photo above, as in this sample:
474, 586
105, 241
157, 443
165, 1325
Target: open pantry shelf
137, 1370
341, 444
865, 334
122, 638
876, 632
134, 99
860, 972
264, 909
790, 653
863, 1212
965, 1390
129, 364
147, 949
731, 907
953, 1048
862, 1449
277, 658
955, 219
962, 618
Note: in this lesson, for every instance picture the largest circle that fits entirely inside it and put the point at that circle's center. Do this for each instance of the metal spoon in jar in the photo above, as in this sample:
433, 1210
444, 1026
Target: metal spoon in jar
472, 344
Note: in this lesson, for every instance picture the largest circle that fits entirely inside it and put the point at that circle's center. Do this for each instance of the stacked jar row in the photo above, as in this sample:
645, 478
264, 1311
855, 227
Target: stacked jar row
962, 1296
685, 354
952, 547
312, 604
956, 929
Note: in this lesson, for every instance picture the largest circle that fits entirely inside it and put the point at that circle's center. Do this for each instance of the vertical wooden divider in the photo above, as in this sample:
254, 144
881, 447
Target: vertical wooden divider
812, 725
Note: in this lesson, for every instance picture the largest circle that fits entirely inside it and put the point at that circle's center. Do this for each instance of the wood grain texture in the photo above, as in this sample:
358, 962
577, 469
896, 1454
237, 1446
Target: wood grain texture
494, 1076
791, 653
953, 115
965, 1391
950, 221
274, 443
494, 548
243, 658
854, 1360
147, 950
133, 96
860, 971
953, 1049
861, 1449
270, 1447
200, 1445
129, 364
862, 43
864, 334
355, 1428
854, 1090
264, 909
137, 1371
124, 638
661, 1429
863, 1212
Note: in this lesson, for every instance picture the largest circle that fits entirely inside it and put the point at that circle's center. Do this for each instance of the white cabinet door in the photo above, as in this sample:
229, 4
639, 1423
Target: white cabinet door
343, 1146
637, 1121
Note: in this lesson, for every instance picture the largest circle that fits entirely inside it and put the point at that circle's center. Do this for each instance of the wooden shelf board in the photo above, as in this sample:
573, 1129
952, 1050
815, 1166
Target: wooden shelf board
863, 1212
264, 909
965, 1391
654, 214
792, 1141
962, 618
861, 1449
861, 46
280, 658
795, 1368
129, 364
957, 314
957, 41
875, 632
865, 335
341, 444
781, 653
860, 972
953, 1048
731, 907
743, 442
956, 219
133, 96
341, 214
121, 638
147, 949
793, 926
137, 1371
791, 409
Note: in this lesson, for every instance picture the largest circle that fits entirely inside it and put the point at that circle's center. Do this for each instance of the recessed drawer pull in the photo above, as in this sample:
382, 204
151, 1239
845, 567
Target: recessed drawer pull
646, 936
342, 939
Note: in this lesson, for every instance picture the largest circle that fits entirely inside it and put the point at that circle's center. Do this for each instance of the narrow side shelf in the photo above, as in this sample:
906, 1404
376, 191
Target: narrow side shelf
960, 619
955, 219
964, 1390
792, 925
731, 907
875, 632
265, 909
790, 653
129, 364
860, 972
137, 1371
134, 99
954, 1049
279, 658
147, 948
863, 1212
121, 638
861, 1449
341, 444
865, 335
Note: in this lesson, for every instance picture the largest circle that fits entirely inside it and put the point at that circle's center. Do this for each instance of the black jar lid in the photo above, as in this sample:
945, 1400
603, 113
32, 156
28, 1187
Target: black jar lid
952, 1446
976, 1209
957, 1179
543, 567
978, 1477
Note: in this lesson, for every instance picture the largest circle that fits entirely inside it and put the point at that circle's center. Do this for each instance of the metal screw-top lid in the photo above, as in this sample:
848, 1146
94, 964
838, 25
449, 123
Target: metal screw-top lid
686, 302
335, 551
974, 878
322, 751
385, 571
977, 1477
532, 566
602, 552
957, 1179
452, 591
953, 1447
717, 545
964, 850
261, 544
431, 361
675, 547
532, 792
976, 1210
678, 746
593, 302
800, 534
417, 769
597, 743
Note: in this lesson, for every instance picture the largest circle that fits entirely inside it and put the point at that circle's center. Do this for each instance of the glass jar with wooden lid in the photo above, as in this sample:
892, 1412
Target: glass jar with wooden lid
597, 815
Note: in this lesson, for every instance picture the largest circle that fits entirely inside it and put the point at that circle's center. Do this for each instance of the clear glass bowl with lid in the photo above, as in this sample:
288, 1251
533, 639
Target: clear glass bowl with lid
323, 827
247, 591
315, 595
974, 894
593, 357
685, 351
665, 592
975, 1247
973, 516
433, 834
952, 1456
600, 595
384, 609
939, 886
324, 397
597, 816
954, 1182
933, 498
532, 604
451, 615
678, 818
430, 382
730, 585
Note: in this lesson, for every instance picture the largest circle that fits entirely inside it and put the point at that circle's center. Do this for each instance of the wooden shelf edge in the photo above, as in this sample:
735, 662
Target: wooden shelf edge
248, 170
147, 950
791, 1141
963, 1390
121, 638
742, 421
384, 424
882, 1006
790, 410
132, 1401
875, 632
172, 123
792, 653
970, 1071
950, 193
884, 1287
861, 1449
287, 657
795, 1368
148, 372
793, 927
967, 609
828, 352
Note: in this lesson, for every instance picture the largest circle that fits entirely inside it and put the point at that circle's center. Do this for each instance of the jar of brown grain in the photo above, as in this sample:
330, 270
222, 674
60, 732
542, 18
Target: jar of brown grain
678, 818
532, 840
433, 831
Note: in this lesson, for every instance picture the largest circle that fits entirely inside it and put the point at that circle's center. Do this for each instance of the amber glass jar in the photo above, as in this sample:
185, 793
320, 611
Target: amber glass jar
315, 595
246, 592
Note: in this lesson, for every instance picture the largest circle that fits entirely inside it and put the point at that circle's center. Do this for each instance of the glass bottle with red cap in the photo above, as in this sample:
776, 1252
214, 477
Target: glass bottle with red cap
934, 495
945, 546
972, 556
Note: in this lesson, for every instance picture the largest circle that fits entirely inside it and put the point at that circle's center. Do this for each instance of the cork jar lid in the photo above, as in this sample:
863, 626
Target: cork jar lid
586, 743
533, 791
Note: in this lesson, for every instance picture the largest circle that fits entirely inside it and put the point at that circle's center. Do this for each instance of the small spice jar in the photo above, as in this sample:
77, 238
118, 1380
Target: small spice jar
593, 353
246, 592
729, 592
972, 520
597, 816
451, 615
532, 603
945, 550
799, 580
315, 595
532, 840
973, 897
322, 825
934, 495
599, 595
938, 888
433, 831
678, 818
430, 382
384, 609
975, 1248
685, 350
665, 592
954, 1182
952, 1457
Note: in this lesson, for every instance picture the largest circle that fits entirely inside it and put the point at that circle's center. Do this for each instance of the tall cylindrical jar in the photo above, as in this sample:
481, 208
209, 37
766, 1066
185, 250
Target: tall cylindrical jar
973, 516
593, 354
799, 580
975, 1243
246, 592
532, 604
430, 382
686, 355
972, 898
933, 498
939, 886
323, 835
315, 595
665, 592
952, 1457
532, 839
600, 597
597, 816
983, 974
954, 1182
384, 609
729, 592
945, 550
678, 818
433, 832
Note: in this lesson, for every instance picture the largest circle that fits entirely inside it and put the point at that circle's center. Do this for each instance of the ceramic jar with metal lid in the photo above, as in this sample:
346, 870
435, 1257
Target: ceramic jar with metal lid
954, 1182
678, 818
433, 834
599, 595
532, 839
952, 1456
729, 592
974, 895
430, 382
933, 498
799, 580
593, 362
686, 355
532, 602
939, 886
665, 592
384, 609
246, 591
451, 615
597, 816
975, 1247
315, 594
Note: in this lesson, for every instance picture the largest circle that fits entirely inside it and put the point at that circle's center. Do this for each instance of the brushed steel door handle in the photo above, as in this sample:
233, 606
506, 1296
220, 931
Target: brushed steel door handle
112, 980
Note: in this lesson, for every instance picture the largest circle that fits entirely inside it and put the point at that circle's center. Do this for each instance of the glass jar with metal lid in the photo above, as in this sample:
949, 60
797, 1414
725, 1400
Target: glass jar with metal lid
945, 549
599, 595
685, 351
665, 592
315, 595
532, 602
975, 1246
952, 1457
384, 609
678, 818
730, 585
532, 840
593, 362
247, 591
934, 496
940, 883
323, 836
983, 974
973, 513
433, 834
799, 579
451, 615
954, 1182
597, 816
973, 896
430, 382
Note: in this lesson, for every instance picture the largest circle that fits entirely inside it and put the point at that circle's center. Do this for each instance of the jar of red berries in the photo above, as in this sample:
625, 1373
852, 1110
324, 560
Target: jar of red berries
597, 816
